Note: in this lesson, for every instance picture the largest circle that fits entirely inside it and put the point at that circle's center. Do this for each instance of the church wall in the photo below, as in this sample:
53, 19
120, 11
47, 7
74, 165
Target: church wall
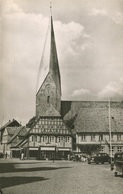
47, 94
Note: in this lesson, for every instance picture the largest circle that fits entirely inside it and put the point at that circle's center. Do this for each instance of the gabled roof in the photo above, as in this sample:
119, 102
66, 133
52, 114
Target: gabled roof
10, 123
21, 143
16, 131
51, 112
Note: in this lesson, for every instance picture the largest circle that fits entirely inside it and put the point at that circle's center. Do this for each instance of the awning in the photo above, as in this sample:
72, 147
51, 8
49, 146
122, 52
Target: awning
33, 148
47, 148
64, 149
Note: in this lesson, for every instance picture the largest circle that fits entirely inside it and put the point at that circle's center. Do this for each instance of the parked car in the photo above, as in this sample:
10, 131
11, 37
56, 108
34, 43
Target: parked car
99, 158
1, 155
117, 166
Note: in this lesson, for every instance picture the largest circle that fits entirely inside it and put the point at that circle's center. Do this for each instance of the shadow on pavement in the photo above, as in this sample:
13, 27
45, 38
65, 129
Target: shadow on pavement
10, 167
13, 181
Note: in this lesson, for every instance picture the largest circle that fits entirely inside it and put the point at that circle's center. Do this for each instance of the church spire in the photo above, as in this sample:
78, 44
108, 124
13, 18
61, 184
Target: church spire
54, 64
49, 93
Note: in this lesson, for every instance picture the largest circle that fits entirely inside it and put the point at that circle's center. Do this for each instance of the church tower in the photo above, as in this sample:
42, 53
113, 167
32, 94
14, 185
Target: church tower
49, 93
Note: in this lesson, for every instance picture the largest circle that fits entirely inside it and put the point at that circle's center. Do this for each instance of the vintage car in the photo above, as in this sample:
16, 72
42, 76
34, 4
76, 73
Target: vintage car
1, 155
117, 165
99, 158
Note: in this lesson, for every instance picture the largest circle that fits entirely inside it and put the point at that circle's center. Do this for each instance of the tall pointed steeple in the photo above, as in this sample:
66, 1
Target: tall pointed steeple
49, 92
54, 64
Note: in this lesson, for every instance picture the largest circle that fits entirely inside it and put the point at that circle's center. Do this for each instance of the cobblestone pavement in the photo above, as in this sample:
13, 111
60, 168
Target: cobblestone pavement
60, 177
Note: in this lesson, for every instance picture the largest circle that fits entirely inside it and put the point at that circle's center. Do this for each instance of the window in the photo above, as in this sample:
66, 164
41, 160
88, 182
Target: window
35, 137
67, 139
43, 138
92, 137
101, 137
118, 137
32, 138
83, 137
102, 149
112, 136
59, 139
38, 138
119, 149
50, 139
111, 150
48, 99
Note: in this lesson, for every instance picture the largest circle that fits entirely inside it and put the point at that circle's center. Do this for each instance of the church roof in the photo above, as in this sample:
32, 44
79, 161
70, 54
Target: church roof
91, 116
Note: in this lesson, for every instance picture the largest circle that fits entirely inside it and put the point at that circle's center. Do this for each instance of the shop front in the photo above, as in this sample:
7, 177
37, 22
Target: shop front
63, 153
47, 153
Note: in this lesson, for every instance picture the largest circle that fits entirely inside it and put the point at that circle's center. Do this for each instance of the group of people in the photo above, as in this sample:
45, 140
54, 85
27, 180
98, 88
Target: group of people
77, 158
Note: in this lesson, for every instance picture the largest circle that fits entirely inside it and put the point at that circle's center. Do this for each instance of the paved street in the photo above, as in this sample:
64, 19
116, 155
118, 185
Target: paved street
60, 177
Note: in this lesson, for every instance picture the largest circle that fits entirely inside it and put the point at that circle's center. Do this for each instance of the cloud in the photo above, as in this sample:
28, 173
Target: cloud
116, 17
80, 92
112, 90
10, 7
96, 12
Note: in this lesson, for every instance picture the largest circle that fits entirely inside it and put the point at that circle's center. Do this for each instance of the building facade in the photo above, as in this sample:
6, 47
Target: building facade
96, 129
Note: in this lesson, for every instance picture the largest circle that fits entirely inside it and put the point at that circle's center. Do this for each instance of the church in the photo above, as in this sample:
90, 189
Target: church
61, 127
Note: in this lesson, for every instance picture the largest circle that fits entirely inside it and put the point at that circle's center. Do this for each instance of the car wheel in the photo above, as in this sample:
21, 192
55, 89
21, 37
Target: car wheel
89, 162
102, 162
97, 162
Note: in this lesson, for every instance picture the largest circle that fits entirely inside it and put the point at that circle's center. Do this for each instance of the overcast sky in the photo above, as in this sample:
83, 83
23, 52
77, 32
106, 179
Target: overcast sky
89, 39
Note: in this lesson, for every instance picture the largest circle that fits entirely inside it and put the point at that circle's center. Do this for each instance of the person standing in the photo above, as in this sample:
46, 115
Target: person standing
22, 156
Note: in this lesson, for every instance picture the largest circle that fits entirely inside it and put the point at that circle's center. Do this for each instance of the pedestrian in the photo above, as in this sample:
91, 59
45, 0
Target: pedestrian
6, 155
22, 156
53, 156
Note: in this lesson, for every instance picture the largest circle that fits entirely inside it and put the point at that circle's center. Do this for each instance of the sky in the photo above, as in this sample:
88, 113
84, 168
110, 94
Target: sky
89, 39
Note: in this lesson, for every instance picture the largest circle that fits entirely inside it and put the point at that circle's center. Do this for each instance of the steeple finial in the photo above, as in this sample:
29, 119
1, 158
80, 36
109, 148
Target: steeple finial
51, 8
